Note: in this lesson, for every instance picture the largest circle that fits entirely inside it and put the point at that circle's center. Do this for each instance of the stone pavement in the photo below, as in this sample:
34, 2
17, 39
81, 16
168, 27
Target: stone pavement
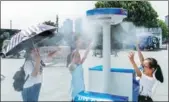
56, 79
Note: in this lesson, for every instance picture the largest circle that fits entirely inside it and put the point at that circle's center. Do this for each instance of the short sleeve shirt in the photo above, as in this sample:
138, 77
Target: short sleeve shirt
146, 85
28, 68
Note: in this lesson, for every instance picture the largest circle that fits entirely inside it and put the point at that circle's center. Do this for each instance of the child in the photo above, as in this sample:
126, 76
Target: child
150, 75
76, 69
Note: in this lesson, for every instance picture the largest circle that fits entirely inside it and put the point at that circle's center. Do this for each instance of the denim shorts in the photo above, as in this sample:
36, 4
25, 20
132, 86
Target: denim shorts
31, 93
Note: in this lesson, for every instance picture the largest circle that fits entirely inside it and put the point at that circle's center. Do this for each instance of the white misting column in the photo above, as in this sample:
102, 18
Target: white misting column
106, 55
105, 17
102, 86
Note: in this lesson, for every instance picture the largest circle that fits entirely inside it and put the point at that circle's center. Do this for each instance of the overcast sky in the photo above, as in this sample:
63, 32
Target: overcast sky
26, 13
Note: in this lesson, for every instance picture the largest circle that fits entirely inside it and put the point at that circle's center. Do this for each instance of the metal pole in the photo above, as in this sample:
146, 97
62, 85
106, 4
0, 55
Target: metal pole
10, 24
57, 23
106, 55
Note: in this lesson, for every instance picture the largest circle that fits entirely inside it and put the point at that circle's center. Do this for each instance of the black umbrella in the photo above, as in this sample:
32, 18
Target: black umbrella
23, 39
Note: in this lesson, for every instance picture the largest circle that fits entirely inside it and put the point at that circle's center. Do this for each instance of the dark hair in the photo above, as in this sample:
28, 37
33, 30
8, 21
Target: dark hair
158, 72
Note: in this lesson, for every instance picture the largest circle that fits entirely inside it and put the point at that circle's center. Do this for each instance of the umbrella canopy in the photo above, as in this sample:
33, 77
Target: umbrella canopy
54, 40
23, 39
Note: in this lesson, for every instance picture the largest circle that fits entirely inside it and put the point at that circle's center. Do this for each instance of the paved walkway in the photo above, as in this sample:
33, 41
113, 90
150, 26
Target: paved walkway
57, 79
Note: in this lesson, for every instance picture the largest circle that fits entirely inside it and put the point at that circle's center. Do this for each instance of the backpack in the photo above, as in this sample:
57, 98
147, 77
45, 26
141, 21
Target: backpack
19, 79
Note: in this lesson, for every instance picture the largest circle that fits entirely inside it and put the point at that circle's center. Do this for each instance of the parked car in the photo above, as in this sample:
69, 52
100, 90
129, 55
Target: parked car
149, 42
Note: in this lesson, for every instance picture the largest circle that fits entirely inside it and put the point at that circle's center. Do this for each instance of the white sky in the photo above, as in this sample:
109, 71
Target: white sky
26, 13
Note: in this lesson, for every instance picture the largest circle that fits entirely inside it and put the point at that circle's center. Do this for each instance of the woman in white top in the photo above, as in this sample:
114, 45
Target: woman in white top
33, 68
150, 75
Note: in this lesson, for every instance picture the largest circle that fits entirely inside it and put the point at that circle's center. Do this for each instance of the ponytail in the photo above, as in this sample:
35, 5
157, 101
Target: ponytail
159, 74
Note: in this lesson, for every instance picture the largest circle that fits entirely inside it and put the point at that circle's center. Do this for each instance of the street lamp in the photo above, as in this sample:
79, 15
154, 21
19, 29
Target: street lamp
10, 24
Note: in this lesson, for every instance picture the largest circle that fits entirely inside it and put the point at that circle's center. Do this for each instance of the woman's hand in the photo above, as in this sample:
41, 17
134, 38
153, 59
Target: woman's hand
37, 55
131, 56
140, 55
90, 44
37, 64
54, 52
87, 51
51, 54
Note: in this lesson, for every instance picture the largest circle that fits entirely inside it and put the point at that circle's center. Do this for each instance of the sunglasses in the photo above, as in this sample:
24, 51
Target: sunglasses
145, 66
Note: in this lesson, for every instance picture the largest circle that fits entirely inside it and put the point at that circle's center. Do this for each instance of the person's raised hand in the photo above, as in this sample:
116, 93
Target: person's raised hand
37, 55
131, 56
58, 50
91, 42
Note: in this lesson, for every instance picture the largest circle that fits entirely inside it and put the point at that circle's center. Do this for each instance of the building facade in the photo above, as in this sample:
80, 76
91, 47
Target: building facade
67, 27
166, 20
78, 26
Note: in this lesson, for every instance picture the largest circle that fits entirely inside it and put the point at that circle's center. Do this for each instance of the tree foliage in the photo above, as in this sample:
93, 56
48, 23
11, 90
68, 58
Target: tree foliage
141, 13
49, 23
164, 28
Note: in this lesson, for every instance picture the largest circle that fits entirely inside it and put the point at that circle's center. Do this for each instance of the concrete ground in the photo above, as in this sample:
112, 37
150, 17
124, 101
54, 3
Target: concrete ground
56, 79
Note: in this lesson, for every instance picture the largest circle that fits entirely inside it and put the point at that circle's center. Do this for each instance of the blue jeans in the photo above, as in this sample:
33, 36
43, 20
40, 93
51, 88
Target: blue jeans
31, 93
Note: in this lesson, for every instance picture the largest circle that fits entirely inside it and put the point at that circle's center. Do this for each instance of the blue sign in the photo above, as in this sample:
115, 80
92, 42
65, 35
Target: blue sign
103, 11
93, 96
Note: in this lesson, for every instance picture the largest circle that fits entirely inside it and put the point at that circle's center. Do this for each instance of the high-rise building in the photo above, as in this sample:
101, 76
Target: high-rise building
78, 26
57, 23
166, 20
61, 29
67, 26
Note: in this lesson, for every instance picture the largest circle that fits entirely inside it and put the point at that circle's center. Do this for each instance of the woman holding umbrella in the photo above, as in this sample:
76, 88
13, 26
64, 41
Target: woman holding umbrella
33, 68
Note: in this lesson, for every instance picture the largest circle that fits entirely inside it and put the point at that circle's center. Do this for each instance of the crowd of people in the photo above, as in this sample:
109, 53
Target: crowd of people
33, 68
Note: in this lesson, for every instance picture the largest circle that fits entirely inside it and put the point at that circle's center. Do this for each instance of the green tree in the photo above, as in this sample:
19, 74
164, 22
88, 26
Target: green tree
164, 28
49, 23
141, 13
